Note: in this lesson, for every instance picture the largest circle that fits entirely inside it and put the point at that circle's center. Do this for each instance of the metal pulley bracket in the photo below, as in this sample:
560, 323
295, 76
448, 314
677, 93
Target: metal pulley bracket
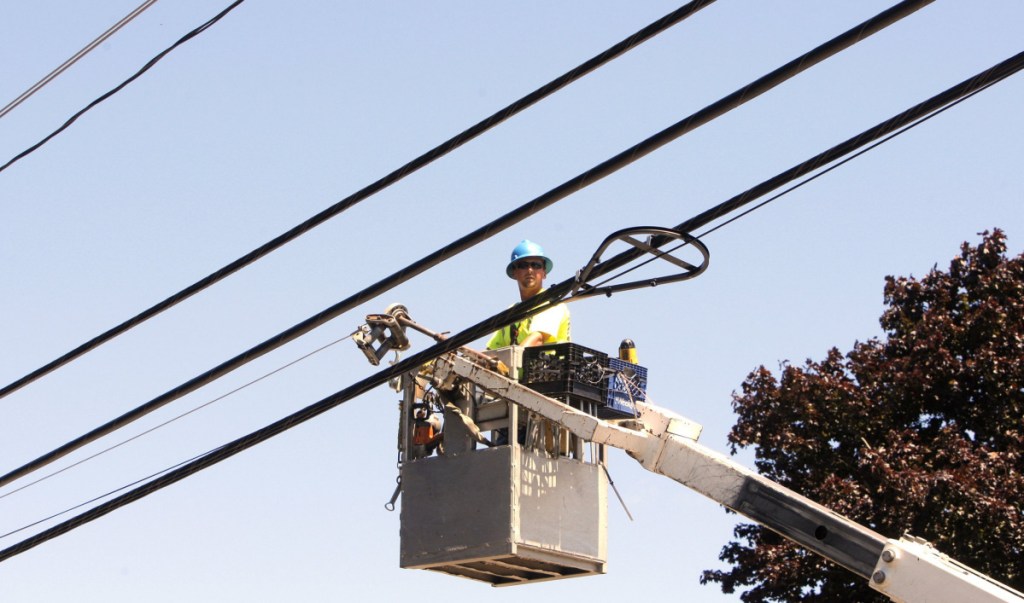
385, 329
389, 330
656, 237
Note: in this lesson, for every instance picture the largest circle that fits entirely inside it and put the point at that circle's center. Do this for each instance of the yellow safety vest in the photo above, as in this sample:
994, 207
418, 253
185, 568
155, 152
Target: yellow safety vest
523, 329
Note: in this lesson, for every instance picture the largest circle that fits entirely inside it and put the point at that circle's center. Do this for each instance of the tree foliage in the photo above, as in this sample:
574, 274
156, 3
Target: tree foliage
921, 432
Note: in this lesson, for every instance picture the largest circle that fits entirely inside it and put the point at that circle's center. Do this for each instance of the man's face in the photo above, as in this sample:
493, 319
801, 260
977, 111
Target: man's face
529, 273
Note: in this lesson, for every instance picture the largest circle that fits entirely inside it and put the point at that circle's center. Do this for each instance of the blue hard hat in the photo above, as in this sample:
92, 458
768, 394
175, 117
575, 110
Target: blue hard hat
528, 249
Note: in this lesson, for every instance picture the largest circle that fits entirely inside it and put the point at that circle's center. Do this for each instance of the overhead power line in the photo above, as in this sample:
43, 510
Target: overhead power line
511, 218
519, 311
195, 32
172, 420
437, 152
223, 452
878, 136
824, 159
74, 59
99, 498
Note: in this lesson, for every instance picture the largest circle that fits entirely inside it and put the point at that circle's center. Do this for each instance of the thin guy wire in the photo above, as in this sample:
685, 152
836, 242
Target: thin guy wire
74, 59
181, 416
102, 496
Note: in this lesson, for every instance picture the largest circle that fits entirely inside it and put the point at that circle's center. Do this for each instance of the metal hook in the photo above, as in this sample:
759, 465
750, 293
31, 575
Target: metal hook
390, 505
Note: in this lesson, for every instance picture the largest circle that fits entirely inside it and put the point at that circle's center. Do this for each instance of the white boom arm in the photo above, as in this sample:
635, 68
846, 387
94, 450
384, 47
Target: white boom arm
665, 443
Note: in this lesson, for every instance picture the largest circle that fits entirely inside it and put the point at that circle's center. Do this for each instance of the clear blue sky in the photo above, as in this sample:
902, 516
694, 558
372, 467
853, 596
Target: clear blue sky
284, 108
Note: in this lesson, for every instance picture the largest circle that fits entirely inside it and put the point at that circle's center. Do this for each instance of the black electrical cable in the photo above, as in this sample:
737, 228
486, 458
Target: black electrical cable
411, 363
969, 86
102, 496
515, 216
514, 314
195, 32
517, 312
880, 134
902, 129
437, 152
173, 419
49, 77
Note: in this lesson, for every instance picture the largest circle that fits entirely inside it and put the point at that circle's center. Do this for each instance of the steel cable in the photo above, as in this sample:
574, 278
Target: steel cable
76, 57
195, 32
177, 417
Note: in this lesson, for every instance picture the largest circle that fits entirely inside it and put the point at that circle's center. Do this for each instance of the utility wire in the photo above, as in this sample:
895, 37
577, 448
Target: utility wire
172, 420
990, 76
74, 59
913, 113
437, 152
513, 217
100, 497
996, 78
518, 312
195, 32
411, 363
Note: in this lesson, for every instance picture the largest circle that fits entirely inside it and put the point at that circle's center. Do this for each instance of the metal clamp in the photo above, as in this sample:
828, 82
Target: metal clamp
385, 329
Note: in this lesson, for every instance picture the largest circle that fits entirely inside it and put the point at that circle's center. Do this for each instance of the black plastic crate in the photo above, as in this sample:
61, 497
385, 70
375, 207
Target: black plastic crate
571, 392
567, 371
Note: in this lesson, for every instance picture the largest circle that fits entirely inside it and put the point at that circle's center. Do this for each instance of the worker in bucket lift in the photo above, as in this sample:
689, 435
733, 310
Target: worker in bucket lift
529, 266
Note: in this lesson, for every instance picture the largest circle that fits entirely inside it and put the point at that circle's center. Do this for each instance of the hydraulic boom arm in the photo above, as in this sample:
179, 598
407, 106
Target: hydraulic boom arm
663, 442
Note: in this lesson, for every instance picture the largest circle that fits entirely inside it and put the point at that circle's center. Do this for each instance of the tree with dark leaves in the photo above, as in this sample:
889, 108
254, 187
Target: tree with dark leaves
921, 432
